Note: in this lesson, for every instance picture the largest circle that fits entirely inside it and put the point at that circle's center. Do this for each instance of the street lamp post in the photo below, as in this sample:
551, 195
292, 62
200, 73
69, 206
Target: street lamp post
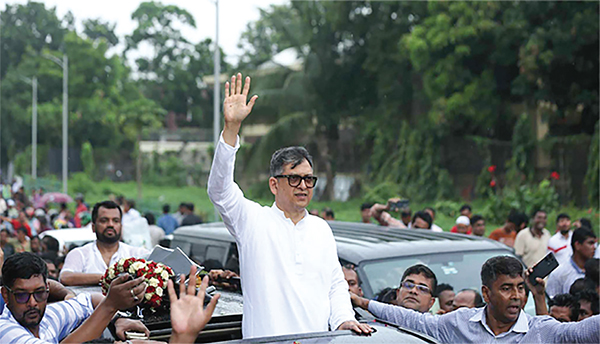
34, 92
64, 64
217, 94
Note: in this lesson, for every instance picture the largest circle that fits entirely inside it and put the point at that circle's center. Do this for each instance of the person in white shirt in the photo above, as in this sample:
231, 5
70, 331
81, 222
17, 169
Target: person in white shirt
85, 265
560, 243
431, 212
292, 280
129, 211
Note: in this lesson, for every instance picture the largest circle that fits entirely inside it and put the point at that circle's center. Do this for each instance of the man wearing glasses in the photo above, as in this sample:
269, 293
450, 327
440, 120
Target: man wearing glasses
416, 289
28, 318
291, 278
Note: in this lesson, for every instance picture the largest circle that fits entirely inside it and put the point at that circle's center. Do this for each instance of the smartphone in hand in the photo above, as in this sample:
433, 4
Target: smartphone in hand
543, 268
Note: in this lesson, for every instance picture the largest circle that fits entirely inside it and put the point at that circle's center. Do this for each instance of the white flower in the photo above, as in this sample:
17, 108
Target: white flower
111, 273
153, 282
131, 270
159, 291
148, 296
122, 261
138, 265
158, 270
164, 275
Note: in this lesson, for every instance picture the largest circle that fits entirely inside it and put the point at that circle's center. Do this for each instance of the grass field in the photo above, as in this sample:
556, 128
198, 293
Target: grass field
155, 196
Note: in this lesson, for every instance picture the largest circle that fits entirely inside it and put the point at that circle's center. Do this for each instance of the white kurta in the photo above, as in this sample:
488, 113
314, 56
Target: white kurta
291, 277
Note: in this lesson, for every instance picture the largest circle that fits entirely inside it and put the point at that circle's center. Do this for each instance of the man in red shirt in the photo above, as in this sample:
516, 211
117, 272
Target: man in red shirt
81, 208
19, 222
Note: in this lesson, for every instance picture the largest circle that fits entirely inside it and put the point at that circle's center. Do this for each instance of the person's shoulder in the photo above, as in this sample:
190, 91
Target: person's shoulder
524, 233
82, 249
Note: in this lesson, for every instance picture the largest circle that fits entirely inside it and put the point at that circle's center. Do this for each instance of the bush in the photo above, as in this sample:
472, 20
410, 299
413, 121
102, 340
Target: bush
525, 198
81, 183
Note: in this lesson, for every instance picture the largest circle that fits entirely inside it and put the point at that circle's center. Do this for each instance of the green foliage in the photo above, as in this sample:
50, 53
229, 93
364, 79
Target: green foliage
166, 169
87, 159
80, 182
523, 145
593, 172
381, 192
525, 198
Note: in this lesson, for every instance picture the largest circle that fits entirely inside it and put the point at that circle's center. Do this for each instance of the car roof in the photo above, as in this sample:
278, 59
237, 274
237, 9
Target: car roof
68, 236
358, 242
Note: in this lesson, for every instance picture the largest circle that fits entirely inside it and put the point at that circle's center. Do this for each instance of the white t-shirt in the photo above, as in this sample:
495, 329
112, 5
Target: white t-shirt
561, 247
88, 259
531, 248
291, 277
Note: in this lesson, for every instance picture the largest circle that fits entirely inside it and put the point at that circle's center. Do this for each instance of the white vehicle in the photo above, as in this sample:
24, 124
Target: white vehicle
69, 236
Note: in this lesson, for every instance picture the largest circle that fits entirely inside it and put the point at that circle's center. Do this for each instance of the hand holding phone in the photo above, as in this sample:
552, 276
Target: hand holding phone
543, 268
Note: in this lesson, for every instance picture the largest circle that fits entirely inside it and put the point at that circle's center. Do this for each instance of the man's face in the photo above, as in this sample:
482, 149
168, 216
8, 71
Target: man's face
352, 279
22, 217
28, 314
446, 299
3, 237
35, 245
365, 215
479, 228
563, 225
289, 198
108, 225
52, 271
463, 229
431, 213
586, 248
420, 223
466, 212
414, 298
539, 220
505, 298
562, 314
585, 309
465, 298
511, 226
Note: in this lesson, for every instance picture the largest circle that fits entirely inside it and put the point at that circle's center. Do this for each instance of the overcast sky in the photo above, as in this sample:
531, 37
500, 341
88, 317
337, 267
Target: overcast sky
233, 17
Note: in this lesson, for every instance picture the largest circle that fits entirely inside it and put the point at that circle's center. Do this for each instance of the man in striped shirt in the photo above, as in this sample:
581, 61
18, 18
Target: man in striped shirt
28, 319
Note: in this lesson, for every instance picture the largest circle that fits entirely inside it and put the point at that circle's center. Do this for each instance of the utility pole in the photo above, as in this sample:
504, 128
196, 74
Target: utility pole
217, 85
34, 96
64, 64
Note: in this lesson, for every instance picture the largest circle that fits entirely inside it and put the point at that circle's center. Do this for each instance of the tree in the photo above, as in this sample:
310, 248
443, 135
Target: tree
96, 29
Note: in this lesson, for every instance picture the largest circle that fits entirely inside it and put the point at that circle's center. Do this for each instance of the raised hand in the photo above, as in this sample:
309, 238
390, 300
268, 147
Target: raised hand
188, 315
236, 106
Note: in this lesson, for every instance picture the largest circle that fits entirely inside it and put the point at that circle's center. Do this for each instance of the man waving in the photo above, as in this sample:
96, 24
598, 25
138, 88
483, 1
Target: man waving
291, 278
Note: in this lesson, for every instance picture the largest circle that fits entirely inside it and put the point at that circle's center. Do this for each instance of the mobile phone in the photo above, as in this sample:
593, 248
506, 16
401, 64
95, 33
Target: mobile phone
543, 268
397, 206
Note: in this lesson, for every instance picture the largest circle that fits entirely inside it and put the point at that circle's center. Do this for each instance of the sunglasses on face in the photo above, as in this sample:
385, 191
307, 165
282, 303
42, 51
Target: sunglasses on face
23, 297
421, 288
294, 180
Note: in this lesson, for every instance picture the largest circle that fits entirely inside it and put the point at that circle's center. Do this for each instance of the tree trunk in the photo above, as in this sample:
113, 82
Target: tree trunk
325, 156
138, 165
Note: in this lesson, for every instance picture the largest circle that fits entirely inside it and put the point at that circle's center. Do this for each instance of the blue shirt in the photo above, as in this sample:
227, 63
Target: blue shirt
168, 223
60, 319
561, 279
468, 325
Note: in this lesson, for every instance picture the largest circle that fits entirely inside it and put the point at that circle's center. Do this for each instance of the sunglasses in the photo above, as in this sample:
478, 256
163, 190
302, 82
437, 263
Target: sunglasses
421, 288
294, 180
23, 297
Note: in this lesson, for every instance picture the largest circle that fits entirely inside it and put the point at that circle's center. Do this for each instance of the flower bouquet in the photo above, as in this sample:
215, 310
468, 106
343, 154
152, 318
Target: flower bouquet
155, 275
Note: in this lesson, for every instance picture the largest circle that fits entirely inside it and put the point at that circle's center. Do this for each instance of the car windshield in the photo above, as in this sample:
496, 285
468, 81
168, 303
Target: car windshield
459, 269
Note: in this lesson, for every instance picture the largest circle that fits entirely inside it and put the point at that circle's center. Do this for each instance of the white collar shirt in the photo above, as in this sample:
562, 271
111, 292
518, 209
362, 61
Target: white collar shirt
561, 247
469, 325
291, 277
88, 259
561, 279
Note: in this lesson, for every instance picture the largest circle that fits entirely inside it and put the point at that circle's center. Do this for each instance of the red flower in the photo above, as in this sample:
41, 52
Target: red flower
493, 183
554, 175
492, 169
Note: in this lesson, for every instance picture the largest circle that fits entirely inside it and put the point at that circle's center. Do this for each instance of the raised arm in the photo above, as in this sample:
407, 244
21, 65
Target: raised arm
222, 191
235, 107
539, 293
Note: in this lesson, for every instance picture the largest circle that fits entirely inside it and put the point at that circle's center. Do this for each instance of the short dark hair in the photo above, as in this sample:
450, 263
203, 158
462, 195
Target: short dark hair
592, 267
386, 295
190, 206
23, 265
443, 287
500, 265
585, 222
166, 208
328, 212
476, 218
150, 218
22, 230
538, 211
131, 203
524, 219
424, 216
562, 216
420, 269
478, 300
580, 235
465, 207
107, 205
592, 297
365, 206
515, 217
566, 300
577, 286
430, 209
51, 243
288, 155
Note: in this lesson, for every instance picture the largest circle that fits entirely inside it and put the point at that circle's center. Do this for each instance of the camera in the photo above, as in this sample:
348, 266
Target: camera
399, 205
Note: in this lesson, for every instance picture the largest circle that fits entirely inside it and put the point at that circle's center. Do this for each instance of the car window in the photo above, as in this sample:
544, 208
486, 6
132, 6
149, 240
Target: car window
459, 269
